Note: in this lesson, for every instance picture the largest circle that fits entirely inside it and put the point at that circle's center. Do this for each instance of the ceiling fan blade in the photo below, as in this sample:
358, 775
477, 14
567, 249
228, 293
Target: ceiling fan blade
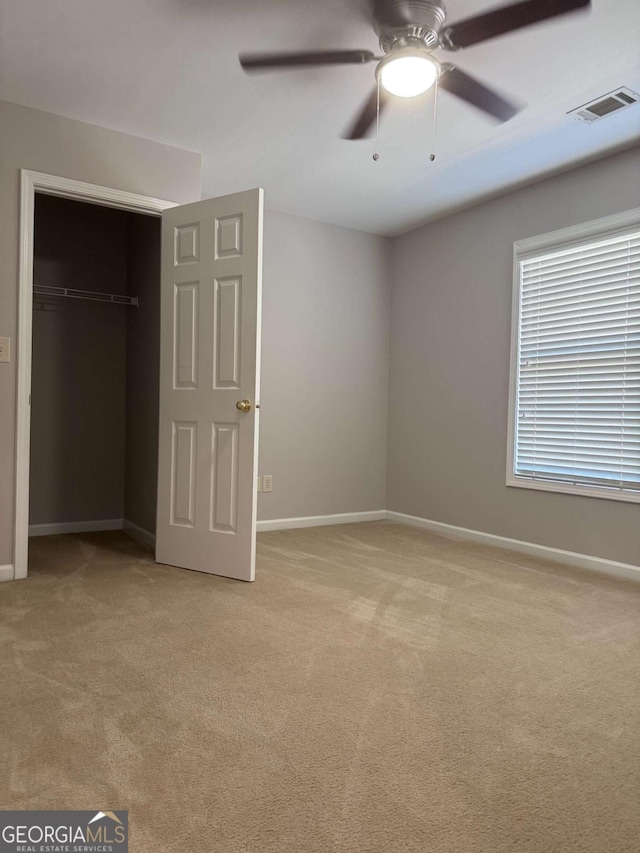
474, 92
366, 118
264, 61
504, 20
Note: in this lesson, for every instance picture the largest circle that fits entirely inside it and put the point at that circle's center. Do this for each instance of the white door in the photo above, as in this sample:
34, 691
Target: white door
209, 375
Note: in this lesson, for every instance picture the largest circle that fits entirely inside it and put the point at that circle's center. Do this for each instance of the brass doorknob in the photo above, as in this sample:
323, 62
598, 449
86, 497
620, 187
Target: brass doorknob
243, 405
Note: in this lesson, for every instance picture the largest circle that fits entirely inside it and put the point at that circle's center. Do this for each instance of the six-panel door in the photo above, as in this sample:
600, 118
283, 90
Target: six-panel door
210, 331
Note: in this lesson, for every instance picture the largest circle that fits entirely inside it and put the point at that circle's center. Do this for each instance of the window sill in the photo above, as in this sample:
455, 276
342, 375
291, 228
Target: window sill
568, 489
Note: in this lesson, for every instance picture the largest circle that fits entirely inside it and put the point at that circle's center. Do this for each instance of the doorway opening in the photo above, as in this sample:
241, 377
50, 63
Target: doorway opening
34, 187
95, 369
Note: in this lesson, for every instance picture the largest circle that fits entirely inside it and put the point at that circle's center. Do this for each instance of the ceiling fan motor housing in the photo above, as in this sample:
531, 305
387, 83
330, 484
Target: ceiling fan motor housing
408, 23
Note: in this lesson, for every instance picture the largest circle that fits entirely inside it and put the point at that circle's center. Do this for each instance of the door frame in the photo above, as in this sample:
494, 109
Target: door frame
30, 183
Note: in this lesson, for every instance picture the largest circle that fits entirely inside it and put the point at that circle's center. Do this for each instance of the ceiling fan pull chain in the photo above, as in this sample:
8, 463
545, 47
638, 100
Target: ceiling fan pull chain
376, 156
432, 156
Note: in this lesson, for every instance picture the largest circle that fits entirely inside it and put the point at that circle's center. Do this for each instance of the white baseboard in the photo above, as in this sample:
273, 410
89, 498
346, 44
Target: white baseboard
570, 558
57, 528
320, 520
6, 573
144, 537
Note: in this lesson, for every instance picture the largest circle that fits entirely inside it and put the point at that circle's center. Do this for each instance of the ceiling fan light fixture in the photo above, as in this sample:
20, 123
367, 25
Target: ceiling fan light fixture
407, 74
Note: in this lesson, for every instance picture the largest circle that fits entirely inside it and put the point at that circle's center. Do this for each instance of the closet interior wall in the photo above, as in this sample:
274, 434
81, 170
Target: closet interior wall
94, 387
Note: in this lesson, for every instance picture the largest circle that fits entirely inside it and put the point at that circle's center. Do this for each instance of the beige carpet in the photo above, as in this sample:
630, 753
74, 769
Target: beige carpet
377, 689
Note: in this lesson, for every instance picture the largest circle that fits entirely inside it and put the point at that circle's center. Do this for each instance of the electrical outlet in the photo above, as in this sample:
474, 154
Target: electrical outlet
259, 484
267, 482
5, 349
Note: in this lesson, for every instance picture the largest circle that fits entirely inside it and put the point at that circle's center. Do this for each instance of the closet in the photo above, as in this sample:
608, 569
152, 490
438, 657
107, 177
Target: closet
94, 385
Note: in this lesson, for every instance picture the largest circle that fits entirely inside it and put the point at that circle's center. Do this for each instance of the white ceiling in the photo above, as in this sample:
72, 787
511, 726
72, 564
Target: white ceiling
168, 70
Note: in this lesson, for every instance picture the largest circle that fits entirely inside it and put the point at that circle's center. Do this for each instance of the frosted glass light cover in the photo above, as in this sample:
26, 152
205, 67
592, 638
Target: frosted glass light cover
408, 76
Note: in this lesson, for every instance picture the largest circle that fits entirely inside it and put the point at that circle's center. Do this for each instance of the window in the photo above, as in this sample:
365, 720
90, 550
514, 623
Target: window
575, 365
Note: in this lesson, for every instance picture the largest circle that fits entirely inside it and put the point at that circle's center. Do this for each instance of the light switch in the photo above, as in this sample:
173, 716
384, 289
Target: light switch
5, 349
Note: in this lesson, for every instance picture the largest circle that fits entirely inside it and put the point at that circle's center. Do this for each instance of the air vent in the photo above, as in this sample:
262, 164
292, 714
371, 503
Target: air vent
605, 105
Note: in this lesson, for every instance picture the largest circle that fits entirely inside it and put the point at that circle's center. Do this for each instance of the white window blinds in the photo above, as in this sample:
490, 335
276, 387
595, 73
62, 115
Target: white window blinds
577, 418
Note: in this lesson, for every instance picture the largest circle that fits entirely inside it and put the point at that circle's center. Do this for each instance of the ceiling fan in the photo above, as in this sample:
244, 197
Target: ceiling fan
409, 31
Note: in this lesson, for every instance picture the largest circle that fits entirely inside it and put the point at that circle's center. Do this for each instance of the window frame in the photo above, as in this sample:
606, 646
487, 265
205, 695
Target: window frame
522, 249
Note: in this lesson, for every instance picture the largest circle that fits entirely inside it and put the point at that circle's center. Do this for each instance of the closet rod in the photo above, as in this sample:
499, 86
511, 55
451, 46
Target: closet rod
114, 298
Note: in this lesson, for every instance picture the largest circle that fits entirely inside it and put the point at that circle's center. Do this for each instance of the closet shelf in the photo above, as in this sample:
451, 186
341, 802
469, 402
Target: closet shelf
70, 293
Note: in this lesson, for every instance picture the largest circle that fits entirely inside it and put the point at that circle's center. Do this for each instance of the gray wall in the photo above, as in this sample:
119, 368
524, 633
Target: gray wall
449, 368
78, 369
325, 345
31, 139
143, 366
325, 340
324, 368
